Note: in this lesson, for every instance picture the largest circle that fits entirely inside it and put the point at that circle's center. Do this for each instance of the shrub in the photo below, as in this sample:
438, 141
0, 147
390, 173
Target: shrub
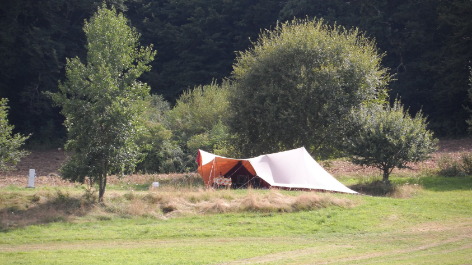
450, 167
467, 163
10, 153
386, 137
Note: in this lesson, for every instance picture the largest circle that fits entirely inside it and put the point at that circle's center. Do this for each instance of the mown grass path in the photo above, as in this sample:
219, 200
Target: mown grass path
432, 243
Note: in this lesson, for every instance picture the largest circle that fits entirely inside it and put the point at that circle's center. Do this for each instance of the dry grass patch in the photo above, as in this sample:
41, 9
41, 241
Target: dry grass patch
210, 201
405, 191
18, 209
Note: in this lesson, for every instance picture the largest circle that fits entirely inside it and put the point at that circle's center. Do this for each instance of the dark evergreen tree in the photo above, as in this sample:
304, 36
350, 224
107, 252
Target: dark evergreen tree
427, 45
451, 68
197, 40
35, 39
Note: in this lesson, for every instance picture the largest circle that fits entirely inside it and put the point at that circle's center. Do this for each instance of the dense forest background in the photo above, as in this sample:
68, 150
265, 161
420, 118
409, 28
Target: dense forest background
427, 46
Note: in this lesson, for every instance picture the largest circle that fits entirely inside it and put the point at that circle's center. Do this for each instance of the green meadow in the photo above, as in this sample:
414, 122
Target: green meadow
427, 220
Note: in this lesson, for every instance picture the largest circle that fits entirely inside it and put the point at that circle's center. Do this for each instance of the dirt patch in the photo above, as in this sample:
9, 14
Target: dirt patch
453, 148
47, 164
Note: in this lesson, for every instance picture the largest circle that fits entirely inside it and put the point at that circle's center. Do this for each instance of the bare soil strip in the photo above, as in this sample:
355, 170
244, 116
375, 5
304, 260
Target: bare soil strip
47, 164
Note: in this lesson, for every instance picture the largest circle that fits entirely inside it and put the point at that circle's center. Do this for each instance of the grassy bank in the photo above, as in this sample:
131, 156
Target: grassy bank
425, 220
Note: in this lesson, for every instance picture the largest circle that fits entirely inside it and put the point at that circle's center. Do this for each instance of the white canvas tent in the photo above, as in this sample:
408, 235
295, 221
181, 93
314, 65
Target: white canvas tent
293, 169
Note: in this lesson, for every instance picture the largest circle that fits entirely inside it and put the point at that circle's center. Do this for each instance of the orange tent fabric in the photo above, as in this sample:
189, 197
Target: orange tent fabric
211, 166
289, 169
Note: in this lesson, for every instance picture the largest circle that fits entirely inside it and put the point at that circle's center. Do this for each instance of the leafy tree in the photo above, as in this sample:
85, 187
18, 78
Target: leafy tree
199, 109
35, 39
102, 100
427, 45
197, 118
386, 137
10, 143
173, 136
297, 85
161, 153
451, 68
470, 98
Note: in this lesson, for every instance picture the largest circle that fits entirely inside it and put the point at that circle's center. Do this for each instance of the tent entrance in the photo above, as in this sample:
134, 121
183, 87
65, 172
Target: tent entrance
242, 178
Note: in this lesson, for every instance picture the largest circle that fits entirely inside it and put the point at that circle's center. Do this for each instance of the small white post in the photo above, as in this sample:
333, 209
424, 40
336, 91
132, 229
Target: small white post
31, 177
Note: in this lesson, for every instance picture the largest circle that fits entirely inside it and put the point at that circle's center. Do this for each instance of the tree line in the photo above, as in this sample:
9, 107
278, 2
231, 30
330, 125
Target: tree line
303, 83
426, 45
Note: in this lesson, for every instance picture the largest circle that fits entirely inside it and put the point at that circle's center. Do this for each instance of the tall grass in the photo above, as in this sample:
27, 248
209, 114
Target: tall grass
164, 202
18, 209
172, 202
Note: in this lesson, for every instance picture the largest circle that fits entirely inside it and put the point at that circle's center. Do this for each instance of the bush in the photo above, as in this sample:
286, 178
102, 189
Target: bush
386, 137
467, 163
450, 167
10, 153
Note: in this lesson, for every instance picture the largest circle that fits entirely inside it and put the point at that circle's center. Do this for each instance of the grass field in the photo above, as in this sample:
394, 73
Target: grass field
427, 220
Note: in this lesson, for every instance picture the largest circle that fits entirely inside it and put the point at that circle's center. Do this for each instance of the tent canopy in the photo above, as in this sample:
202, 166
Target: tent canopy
289, 169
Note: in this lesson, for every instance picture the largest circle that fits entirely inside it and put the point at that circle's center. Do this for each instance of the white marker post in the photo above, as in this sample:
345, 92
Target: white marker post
31, 177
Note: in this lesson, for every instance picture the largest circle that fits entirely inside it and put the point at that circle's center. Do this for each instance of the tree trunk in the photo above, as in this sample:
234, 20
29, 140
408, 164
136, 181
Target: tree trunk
386, 174
103, 182
101, 188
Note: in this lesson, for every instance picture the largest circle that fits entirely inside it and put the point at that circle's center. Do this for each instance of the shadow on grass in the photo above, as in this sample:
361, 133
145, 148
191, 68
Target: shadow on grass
374, 188
40, 210
432, 183
437, 183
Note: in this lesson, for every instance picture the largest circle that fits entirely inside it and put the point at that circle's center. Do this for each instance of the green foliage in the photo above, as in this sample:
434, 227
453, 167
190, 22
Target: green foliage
197, 119
35, 38
161, 153
427, 45
102, 100
10, 153
387, 137
467, 163
297, 85
199, 109
173, 136
197, 39
194, 123
470, 99
450, 167
451, 67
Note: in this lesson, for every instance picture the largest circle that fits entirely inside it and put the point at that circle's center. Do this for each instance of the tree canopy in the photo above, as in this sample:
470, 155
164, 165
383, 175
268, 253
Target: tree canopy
386, 137
103, 102
426, 44
10, 152
297, 86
